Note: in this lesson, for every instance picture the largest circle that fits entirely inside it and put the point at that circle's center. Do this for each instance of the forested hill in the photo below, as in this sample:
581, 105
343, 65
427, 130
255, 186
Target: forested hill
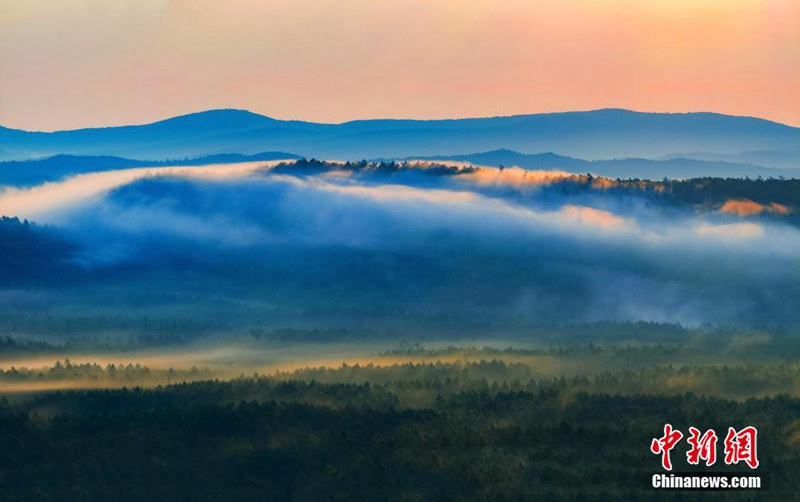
706, 194
31, 253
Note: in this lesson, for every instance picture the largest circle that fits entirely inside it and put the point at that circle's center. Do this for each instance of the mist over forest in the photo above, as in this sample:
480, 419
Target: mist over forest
403, 242
428, 324
488, 326
399, 251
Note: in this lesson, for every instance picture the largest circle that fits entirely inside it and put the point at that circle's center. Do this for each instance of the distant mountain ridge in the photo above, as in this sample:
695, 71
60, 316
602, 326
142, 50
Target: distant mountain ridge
673, 168
786, 159
598, 134
32, 172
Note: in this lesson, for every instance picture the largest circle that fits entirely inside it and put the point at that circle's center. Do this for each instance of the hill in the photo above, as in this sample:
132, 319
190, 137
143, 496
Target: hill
599, 134
787, 159
619, 168
32, 172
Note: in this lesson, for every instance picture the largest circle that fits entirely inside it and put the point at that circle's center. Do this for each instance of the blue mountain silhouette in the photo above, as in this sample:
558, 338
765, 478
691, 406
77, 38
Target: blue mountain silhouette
32, 172
607, 133
678, 167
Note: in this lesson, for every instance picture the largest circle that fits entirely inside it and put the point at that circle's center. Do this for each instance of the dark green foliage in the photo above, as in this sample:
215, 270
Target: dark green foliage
95, 333
258, 439
77, 374
719, 190
362, 167
11, 345
30, 252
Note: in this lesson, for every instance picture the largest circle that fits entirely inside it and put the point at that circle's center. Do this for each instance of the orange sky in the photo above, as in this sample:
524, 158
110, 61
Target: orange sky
76, 63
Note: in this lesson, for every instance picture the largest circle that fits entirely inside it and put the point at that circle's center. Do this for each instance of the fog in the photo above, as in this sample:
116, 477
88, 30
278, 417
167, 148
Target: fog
256, 240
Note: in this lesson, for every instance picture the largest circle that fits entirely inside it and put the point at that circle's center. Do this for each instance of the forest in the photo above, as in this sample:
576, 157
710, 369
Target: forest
711, 191
399, 251
317, 330
566, 412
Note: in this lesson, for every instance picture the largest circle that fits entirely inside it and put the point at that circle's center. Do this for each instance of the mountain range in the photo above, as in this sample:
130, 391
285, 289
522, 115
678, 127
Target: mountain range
673, 168
32, 172
599, 134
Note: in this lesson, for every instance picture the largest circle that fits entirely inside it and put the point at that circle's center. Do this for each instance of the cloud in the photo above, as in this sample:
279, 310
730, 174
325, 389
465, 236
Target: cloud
50, 198
744, 231
352, 244
596, 217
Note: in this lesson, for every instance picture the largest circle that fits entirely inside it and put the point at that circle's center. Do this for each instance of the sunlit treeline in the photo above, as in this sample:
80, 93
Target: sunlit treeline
92, 372
415, 384
740, 196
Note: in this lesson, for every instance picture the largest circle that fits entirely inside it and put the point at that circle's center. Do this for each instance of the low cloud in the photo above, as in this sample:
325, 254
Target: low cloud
49, 199
449, 248
739, 231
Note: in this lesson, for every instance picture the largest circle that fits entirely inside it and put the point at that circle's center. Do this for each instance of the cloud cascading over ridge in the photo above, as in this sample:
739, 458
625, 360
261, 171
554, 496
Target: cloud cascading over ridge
449, 245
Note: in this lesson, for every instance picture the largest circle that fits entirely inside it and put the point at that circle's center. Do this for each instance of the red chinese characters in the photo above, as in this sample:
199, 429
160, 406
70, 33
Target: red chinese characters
665, 444
741, 446
703, 447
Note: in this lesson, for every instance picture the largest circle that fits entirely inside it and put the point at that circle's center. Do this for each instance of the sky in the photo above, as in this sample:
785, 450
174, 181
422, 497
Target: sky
78, 63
